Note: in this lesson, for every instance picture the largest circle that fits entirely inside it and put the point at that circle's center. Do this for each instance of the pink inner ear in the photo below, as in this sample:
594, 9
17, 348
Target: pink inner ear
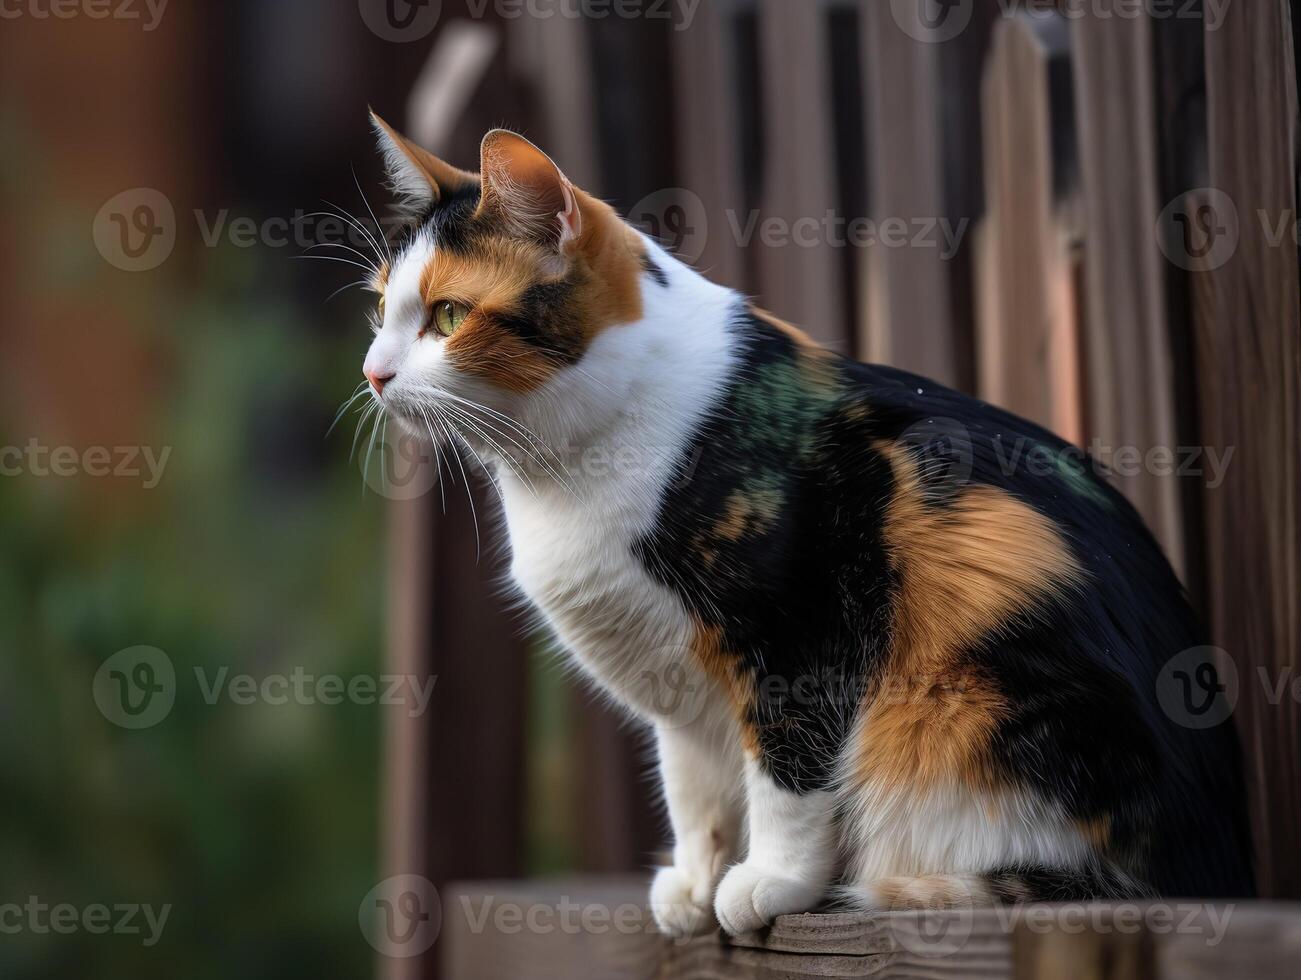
529, 189
571, 219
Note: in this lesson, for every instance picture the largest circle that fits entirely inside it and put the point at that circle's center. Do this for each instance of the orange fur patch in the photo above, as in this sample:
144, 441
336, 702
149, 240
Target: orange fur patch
485, 349
793, 332
724, 669
494, 277
931, 892
1097, 832
612, 256
965, 569
747, 512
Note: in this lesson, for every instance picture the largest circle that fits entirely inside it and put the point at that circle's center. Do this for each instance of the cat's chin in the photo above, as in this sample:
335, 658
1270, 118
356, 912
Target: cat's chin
412, 425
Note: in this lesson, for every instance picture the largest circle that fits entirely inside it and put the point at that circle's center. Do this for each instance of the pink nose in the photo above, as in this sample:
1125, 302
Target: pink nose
379, 379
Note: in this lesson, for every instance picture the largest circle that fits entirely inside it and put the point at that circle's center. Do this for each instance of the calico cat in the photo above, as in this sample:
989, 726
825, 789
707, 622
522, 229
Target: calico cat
924, 677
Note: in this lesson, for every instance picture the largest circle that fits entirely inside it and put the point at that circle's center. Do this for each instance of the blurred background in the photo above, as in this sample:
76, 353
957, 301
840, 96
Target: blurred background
1085, 211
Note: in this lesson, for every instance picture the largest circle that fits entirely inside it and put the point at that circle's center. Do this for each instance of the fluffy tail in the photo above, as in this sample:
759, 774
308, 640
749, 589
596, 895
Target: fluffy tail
1009, 885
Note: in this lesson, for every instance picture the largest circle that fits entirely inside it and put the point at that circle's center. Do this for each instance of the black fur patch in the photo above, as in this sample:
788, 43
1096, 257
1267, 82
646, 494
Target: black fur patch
774, 539
545, 318
653, 270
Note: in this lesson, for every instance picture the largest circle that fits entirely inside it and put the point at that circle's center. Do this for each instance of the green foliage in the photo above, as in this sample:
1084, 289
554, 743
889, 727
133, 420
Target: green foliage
257, 552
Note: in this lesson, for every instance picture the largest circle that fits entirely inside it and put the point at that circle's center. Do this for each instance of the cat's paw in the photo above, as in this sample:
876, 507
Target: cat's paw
751, 897
680, 902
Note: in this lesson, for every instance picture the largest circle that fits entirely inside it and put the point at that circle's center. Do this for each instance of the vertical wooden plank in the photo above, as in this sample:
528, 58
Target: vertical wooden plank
404, 803
1027, 338
907, 321
1250, 355
454, 786
705, 97
620, 821
800, 280
1180, 67
1130, 389
451, 78
962, 62
617, 820
550, 53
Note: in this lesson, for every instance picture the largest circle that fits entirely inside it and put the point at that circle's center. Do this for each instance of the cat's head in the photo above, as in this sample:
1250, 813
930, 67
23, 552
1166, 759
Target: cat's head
503, 279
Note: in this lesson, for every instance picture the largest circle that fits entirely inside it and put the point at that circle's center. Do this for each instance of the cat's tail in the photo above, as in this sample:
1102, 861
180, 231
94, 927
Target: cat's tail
999, 886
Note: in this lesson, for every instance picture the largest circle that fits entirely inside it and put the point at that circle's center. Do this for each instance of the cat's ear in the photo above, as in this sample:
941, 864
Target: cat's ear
417, 176
523, 189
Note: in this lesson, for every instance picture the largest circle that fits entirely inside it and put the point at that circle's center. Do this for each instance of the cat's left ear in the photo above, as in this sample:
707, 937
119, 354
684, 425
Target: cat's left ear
416, 174
527, 192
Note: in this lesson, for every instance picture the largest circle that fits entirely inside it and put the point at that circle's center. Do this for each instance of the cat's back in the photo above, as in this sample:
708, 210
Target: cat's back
1078, 614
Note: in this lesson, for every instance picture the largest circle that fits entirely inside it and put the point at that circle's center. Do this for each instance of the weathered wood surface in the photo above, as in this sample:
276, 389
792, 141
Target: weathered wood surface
1027, 336
1129, 380
1250, 370
907, 320
600, 928
800, 278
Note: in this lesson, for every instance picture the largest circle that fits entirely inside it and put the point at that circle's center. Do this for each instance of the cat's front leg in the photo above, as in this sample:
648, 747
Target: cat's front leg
792, 855
703, 789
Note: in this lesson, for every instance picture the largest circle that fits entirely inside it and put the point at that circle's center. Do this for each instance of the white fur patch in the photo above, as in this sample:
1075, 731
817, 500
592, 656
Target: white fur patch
952, 830
791, 860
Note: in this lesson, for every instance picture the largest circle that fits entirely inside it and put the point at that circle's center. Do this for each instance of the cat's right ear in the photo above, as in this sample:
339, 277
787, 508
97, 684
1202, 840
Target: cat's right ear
417, 176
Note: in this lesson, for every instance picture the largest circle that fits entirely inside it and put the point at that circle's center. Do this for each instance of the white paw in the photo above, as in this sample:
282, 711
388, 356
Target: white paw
751, 897
679, 901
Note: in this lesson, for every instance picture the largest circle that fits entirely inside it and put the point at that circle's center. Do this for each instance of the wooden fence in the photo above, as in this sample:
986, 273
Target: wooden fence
1121, 182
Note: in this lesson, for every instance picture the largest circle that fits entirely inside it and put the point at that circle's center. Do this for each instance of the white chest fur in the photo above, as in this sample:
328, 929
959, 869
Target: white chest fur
640, 394
624, 628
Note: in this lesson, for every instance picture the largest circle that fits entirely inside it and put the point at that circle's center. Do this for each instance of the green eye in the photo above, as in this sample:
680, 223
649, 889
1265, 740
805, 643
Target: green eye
448, 316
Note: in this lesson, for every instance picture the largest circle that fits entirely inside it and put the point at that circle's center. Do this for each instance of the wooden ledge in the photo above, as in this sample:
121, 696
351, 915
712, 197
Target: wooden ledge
599, 927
